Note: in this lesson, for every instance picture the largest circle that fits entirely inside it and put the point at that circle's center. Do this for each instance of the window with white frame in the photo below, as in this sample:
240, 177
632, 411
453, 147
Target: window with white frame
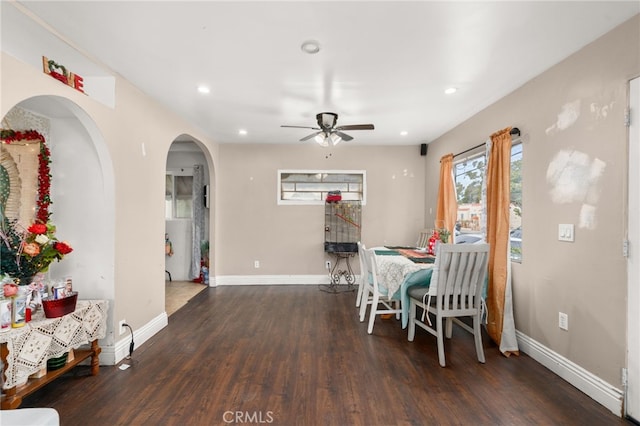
178, 196
312, 186
469, 175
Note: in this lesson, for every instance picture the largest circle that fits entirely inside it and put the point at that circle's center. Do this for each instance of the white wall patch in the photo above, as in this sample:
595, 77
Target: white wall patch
600, 112
587, 218
596, 170
568, 115
568, 175
575, 178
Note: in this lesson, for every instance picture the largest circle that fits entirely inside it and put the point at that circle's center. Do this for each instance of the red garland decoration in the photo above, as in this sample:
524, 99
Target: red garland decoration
44, 171
9, 136
44, 183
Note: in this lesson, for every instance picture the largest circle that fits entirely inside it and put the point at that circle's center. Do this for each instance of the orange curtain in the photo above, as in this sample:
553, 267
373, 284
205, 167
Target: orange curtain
498, 202
447, 207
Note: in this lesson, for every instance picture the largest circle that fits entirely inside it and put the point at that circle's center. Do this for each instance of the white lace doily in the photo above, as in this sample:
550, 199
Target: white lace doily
32, 345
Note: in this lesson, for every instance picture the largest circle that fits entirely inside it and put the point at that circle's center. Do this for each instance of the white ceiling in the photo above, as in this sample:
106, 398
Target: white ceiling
386, 63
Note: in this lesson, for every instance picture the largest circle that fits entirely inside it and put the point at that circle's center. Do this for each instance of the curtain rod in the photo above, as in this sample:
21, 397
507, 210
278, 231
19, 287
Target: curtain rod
514, 132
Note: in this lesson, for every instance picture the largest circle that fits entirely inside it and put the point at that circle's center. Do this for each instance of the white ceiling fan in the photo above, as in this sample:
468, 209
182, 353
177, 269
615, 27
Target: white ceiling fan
327, 131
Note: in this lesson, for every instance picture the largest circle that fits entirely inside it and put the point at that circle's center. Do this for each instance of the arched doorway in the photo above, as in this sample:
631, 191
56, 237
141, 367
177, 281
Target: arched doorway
186, 222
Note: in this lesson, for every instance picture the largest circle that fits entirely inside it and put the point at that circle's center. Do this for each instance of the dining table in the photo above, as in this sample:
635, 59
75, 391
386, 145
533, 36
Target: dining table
400, 268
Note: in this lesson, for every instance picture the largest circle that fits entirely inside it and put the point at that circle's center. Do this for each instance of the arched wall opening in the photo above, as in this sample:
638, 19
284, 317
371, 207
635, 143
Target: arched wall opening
82, 191
188, 161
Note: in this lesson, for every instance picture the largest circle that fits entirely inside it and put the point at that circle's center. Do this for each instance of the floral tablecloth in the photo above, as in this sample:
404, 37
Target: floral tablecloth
396, 273
43, 338
392, 271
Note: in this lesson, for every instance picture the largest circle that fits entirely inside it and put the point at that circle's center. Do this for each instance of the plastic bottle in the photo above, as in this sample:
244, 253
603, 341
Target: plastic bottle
18, 308
205, 273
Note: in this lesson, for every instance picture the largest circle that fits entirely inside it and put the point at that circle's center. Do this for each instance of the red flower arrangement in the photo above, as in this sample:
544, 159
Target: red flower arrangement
25, 252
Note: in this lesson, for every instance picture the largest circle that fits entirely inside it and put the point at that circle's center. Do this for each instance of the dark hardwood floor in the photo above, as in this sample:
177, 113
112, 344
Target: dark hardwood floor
294, 355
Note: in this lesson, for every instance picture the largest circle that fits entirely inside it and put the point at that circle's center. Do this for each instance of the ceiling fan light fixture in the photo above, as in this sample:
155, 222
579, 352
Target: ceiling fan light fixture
335, 139
322, 140
327, 120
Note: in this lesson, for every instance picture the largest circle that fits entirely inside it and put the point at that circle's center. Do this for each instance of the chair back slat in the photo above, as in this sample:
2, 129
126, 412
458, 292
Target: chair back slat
364, 271
370, 264
462, 270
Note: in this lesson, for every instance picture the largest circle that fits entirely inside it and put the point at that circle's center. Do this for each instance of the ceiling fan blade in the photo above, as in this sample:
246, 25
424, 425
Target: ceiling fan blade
302, 127
345, 137
356, 127
312, 135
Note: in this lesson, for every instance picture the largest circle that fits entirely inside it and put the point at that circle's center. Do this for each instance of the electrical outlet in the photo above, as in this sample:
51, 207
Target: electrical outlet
256, 264
563, 321
327, 264
121, 326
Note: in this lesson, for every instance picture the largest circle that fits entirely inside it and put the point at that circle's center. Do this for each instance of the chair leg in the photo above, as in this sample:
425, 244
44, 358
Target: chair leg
359, 295
411, 333
477, 336
372, 314
449, 327
396, 304
440, 337
364, 302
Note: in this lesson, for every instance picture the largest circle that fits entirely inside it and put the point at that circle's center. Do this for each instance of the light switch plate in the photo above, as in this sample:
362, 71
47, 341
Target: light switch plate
565, 232
563, 321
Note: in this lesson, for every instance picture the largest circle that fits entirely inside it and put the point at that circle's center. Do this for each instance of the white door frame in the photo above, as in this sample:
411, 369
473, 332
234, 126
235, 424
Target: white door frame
632, 395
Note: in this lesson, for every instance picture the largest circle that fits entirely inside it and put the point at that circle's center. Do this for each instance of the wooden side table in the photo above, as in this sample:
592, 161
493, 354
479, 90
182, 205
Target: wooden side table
13, 396
25, 351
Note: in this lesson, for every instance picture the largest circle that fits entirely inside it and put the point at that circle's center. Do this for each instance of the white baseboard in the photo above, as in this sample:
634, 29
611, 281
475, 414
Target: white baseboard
111, 355
602, 392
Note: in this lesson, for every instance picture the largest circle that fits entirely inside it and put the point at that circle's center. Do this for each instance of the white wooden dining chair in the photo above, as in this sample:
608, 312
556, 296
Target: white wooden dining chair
366, 283
379, 302
455, 291
364, 273
423, 238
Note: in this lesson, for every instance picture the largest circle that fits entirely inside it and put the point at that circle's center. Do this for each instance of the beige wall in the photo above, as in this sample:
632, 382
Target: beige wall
137, 282
289, 239
585, 279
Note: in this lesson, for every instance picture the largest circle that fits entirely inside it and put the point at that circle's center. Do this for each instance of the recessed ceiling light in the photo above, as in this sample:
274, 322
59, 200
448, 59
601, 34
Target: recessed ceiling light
203, 89
404, 133
242, 132
311, 47
450, 90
